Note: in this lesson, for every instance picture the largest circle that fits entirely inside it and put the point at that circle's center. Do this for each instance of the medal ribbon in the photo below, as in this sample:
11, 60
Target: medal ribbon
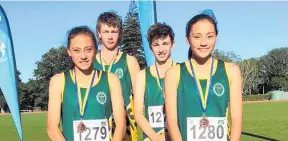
158, 80
203, 101
112, 62
83, 106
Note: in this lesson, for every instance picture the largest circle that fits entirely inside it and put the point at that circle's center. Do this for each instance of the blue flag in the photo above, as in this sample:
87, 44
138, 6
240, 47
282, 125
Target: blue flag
8, 82
147, 17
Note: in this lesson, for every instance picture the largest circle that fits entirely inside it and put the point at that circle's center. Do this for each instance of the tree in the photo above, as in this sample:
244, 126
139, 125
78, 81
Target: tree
56, 60
3, 103
131, 38
250, 75
29, 94
274, 66
226, 56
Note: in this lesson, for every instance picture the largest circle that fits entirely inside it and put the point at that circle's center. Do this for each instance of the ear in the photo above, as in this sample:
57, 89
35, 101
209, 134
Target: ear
68, 51
187, 40
173, 45
99, 35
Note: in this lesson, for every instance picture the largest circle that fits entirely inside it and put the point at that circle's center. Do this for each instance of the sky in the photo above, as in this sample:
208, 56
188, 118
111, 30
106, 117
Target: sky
249, 29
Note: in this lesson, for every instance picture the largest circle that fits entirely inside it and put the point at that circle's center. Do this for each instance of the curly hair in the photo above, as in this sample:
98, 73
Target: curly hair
159, 30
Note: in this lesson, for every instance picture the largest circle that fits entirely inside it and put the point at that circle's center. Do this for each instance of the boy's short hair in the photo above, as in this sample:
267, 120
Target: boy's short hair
159, 30
111, 19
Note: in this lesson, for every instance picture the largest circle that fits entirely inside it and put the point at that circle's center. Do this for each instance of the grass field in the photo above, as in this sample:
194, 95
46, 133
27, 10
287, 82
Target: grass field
262, 121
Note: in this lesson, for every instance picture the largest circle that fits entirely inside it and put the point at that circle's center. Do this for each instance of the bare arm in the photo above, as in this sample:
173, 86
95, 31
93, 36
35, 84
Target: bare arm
54, 108
171, 81
234, 74
139, 106
118, 107
133, 68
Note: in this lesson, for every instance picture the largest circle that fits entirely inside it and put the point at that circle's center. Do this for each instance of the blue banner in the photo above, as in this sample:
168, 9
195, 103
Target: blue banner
147, 17
8, 82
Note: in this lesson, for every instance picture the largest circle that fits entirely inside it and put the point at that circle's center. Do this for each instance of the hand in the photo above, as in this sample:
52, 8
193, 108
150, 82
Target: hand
160, 137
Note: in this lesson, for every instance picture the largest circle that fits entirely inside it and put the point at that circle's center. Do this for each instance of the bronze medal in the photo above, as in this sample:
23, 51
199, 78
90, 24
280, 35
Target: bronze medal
204, 122
81, 127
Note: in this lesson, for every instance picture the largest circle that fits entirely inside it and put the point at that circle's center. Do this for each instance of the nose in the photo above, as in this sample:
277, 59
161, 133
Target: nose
161, 48
83, 55
203, 42
110, 36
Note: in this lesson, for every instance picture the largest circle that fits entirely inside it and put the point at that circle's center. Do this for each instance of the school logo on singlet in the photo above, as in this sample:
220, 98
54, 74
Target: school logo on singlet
2, 52
101, 97
119, 72
218, 89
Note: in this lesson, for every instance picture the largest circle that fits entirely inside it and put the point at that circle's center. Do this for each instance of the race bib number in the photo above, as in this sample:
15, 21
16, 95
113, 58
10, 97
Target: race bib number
216, 131
156, 116
97, 130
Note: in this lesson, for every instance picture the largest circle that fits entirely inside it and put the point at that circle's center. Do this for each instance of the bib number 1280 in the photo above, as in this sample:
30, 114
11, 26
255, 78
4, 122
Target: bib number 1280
208, 133
216, 131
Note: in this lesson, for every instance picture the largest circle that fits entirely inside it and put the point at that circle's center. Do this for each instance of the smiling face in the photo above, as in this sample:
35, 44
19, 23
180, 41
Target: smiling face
82, 51
161, 48
161, 41
109, 36
202, 38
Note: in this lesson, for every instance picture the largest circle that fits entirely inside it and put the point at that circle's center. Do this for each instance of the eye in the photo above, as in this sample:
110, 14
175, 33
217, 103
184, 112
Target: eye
166, 43
88, 50
76, 50
210, 36
115, 31
155, 44
196, 36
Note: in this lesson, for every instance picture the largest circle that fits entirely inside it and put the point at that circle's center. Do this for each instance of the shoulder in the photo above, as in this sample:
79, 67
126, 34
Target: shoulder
112, 77
57, 78
175, 69
232, 69
57, 83
131, 59
132, 64
141, 74
175, 63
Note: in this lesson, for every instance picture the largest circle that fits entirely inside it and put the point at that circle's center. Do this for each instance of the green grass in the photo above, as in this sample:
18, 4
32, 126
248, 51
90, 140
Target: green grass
33, 127
266, 119
262, 119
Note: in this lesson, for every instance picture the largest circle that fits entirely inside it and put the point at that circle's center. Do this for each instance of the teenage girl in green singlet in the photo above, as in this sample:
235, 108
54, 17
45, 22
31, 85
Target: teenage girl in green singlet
201, 92
82, 98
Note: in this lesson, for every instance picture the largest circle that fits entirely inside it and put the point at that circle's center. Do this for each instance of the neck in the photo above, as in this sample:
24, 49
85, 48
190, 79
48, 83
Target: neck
168, 62
201, 61
109, 50
163, 66
108, 54
83, 73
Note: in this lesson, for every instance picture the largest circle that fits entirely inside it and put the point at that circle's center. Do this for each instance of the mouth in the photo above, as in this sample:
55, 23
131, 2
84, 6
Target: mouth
203, 49
84, 62
162, 55
110, 42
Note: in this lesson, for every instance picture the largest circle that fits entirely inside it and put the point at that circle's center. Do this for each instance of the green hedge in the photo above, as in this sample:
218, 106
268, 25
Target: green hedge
257, 97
